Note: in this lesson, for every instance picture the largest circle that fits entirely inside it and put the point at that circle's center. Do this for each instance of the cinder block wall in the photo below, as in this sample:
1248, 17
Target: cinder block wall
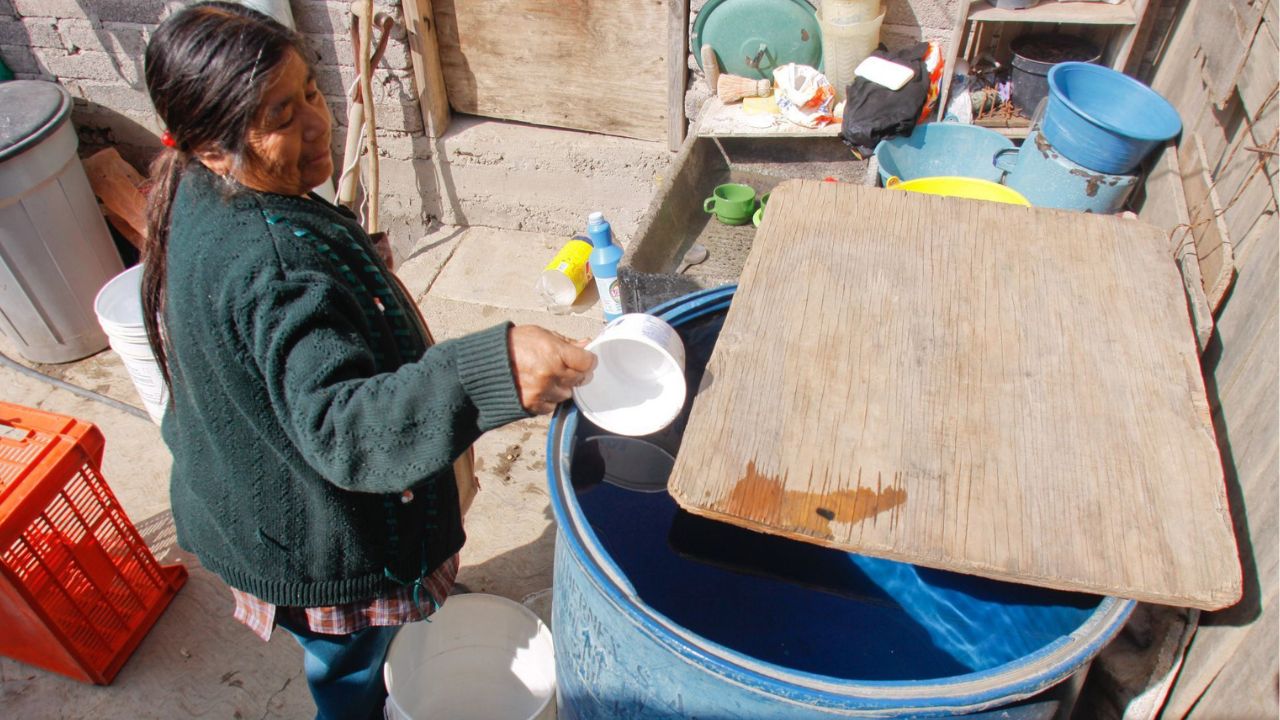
95, 49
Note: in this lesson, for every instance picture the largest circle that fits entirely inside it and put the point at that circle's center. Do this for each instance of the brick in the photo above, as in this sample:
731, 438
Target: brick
38, 32
324, 18
116, 96
12, 32
130, 11
50, 8
332, 81
20, 59
90, 65
397, 57
330, 49
6, 9
117, 38
400, 118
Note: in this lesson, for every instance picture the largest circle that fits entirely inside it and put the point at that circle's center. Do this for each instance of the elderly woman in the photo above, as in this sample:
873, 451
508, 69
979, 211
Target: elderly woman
313, 424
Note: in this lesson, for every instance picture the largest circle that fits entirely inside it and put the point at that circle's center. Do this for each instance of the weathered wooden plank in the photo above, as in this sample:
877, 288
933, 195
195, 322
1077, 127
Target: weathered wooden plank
428, 75
1226, 31
1214, 651
1258, 77
1024, 404
1254, 300
1165, 206
591, 65
677, 70
1213, 243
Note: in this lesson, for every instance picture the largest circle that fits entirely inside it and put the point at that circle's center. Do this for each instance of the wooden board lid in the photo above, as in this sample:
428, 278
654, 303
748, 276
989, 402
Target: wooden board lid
990, 389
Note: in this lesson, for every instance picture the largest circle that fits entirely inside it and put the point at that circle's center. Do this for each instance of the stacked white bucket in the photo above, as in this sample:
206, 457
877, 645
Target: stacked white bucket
850, 32
119, 310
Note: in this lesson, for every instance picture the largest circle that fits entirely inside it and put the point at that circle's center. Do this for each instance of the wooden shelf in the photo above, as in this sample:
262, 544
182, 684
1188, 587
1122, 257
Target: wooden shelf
1051, 11
720, 120
974, 18
1015, 128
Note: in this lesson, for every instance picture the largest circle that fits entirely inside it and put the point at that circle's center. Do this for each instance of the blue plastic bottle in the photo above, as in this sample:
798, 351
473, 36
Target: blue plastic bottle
604, 264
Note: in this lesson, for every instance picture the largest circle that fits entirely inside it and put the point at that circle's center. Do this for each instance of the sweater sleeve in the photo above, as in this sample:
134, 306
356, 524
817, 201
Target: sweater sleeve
362, 430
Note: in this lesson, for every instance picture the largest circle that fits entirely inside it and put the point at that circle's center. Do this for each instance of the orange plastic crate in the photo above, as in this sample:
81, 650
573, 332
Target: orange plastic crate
79, 588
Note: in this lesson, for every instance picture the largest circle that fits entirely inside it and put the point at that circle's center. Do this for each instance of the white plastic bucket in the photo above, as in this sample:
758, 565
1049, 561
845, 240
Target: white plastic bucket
846, 11
118, 306
481, 657
638, 385
844, 46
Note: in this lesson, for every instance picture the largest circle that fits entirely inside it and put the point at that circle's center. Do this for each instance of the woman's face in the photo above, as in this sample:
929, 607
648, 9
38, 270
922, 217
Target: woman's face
287, 148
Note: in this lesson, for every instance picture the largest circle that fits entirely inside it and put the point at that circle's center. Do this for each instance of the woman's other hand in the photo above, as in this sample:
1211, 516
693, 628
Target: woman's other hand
547, 366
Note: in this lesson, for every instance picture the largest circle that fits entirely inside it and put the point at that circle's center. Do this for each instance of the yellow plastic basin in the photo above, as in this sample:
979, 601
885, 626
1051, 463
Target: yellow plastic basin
964, 187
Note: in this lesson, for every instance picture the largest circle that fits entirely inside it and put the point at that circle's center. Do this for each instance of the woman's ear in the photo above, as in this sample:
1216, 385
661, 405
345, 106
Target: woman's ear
216, 159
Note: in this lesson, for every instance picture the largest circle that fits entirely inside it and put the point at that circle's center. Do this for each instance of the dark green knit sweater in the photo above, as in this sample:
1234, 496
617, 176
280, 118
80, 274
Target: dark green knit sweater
305, 402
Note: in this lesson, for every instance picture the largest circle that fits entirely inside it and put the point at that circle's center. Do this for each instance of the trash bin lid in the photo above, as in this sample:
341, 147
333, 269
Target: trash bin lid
33, 109
752, 37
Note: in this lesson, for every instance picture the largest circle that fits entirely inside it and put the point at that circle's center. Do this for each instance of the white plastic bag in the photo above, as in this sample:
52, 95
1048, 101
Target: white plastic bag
804, 95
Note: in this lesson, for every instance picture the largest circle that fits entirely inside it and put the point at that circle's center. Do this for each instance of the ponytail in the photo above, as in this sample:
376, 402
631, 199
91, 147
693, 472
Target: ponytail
166, 173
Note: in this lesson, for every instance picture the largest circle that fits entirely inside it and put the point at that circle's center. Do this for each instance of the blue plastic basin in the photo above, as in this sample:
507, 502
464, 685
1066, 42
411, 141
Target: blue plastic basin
1103, 119
941, 150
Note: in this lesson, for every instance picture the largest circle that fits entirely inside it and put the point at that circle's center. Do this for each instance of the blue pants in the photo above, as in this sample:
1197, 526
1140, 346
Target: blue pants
344, 672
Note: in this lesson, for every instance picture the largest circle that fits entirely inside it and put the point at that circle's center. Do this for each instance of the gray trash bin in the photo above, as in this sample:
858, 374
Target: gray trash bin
55, 249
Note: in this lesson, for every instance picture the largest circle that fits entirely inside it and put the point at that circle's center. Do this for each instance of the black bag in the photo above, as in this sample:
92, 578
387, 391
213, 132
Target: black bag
873, 112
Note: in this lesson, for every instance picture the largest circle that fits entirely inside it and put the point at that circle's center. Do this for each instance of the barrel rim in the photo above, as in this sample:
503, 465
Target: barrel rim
1001, 685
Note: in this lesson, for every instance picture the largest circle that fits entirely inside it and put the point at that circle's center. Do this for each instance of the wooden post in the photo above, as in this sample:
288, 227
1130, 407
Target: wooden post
428, 75
677, 70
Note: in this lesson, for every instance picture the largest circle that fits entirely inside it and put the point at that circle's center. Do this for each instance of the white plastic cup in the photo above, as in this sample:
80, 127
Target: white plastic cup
482, 657
638, 385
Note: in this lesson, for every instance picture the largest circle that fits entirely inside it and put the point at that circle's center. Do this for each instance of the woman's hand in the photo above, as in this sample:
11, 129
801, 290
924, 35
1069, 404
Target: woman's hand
547, 366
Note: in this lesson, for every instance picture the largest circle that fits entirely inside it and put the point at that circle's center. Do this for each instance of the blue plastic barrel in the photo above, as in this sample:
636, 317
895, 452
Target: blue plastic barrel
661, 614
941, 150
1103, 119
1047, 179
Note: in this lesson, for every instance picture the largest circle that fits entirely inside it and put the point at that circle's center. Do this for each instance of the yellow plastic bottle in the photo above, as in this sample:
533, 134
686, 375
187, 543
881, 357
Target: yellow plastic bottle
565, 277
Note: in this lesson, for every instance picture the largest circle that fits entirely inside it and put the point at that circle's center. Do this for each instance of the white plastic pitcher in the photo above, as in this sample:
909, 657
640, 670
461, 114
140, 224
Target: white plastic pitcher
844, 45
118, 306
482, 657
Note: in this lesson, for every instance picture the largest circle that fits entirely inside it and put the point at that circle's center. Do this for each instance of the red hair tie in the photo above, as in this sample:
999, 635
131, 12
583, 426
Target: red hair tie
167, 140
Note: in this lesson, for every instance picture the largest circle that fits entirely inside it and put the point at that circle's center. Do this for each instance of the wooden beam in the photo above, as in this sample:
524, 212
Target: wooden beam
677, 70
428, 75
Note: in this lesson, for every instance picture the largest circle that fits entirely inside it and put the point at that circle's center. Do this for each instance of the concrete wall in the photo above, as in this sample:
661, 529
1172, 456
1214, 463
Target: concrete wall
494, 173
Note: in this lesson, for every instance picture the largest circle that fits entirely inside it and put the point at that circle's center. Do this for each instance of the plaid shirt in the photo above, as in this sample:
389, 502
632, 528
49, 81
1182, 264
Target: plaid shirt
397, 608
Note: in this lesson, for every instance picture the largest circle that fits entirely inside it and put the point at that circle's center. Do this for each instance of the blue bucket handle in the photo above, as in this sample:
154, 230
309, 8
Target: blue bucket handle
1002, 161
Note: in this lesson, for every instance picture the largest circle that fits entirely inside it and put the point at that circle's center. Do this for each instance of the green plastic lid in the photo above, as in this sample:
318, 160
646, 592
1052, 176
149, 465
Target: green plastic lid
752, 37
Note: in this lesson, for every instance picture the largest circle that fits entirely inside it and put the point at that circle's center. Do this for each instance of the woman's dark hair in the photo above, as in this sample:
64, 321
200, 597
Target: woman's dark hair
206, 68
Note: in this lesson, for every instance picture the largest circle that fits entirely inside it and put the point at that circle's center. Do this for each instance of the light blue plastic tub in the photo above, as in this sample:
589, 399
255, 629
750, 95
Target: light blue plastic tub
941, 150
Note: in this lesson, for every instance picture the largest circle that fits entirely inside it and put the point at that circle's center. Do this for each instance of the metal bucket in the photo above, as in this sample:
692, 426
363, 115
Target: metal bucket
661, 614
1046, 178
